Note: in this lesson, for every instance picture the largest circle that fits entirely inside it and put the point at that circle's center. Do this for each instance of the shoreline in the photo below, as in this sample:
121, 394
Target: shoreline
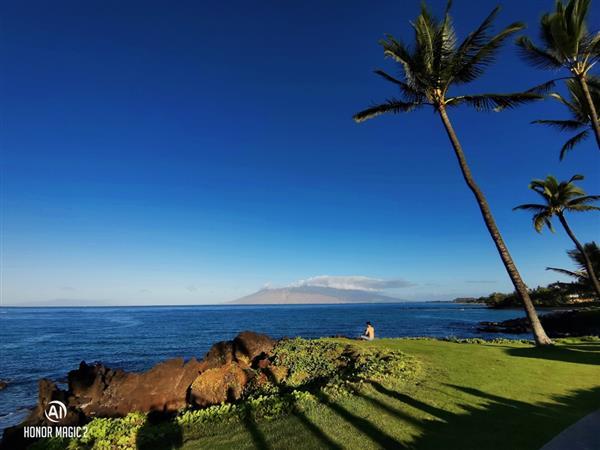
573, 322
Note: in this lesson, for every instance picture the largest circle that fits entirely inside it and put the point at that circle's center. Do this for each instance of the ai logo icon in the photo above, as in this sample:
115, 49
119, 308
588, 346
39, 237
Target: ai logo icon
55, 411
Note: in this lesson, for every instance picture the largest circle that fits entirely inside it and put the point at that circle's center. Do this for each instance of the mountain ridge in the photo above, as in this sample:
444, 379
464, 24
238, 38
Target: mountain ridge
307, 295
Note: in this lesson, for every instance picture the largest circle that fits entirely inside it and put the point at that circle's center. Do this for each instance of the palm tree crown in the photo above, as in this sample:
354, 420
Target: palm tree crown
581, 115
437, 61
558, 197
593, 251
565, 38
567, 44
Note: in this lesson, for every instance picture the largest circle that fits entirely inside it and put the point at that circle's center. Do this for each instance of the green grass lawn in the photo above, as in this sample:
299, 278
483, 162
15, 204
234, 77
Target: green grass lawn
468, 396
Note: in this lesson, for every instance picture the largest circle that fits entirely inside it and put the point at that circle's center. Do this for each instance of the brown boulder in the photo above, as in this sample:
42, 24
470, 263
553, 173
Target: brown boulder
218, 385
100, 391
219, 354
249, 345
244, 348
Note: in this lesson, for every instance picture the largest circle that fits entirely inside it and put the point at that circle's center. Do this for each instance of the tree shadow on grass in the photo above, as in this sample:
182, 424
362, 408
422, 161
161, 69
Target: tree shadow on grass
491, 421
256, 434
317, 432
579, 354
478, 420
160, 431
426, 408
377, 435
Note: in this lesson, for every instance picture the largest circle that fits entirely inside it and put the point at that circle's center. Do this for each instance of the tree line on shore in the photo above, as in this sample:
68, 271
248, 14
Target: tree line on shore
437, 61
578, 292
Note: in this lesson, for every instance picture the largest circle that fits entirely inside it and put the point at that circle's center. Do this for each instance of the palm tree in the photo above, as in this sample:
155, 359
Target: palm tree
581, 276
559, 198
581, 116
567, 44
429, 69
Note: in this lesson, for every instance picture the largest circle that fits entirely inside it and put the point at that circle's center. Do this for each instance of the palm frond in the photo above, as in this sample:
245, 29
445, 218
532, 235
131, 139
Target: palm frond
583, 208
571, 104
544, 88
537, 57
592, 250
479, 37
392, 48
592, 80
576, 177
569, 273
568, 146
593, 47
562, 125
494, 102
586, 199
411, 94
391, 106
471, 66
530, 207
541, 219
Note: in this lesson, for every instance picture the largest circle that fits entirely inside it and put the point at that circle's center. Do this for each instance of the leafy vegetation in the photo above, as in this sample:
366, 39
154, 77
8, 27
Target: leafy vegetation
320, 362
556, 294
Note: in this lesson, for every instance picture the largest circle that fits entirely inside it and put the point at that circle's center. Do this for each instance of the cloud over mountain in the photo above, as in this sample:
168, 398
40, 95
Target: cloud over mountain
352, 282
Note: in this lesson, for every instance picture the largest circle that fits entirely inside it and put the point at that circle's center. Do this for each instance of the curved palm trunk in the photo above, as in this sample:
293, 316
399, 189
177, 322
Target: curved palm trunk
538, 331
592, 107
588, 263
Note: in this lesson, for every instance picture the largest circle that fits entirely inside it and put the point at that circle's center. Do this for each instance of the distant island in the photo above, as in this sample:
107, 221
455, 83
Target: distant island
312, 295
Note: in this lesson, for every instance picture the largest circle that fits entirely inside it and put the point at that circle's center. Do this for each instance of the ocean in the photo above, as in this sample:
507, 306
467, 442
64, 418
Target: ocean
48, 342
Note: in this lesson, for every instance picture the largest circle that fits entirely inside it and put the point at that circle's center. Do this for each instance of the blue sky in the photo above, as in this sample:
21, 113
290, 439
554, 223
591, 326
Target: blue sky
187, 152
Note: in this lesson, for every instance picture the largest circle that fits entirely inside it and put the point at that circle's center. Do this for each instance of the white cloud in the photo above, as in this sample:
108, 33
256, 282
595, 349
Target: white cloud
352, 282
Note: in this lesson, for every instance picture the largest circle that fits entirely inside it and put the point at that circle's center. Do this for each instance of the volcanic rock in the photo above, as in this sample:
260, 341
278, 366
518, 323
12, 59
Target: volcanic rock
218, 385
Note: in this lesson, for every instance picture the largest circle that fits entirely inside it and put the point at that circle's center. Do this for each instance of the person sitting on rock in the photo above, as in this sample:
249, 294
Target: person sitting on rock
369, 333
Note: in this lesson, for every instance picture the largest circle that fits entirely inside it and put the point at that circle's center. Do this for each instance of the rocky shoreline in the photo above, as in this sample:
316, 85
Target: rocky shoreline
249, 377
571, 323
99, 391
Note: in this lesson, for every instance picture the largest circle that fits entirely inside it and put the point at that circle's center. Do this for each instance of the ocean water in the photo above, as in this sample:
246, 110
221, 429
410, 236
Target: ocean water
48, 342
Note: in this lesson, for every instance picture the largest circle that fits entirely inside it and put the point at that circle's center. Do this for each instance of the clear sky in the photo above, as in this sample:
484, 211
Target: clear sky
191, 152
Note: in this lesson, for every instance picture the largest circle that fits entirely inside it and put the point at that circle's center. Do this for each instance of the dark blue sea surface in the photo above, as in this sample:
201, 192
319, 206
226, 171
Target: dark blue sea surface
48, 342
